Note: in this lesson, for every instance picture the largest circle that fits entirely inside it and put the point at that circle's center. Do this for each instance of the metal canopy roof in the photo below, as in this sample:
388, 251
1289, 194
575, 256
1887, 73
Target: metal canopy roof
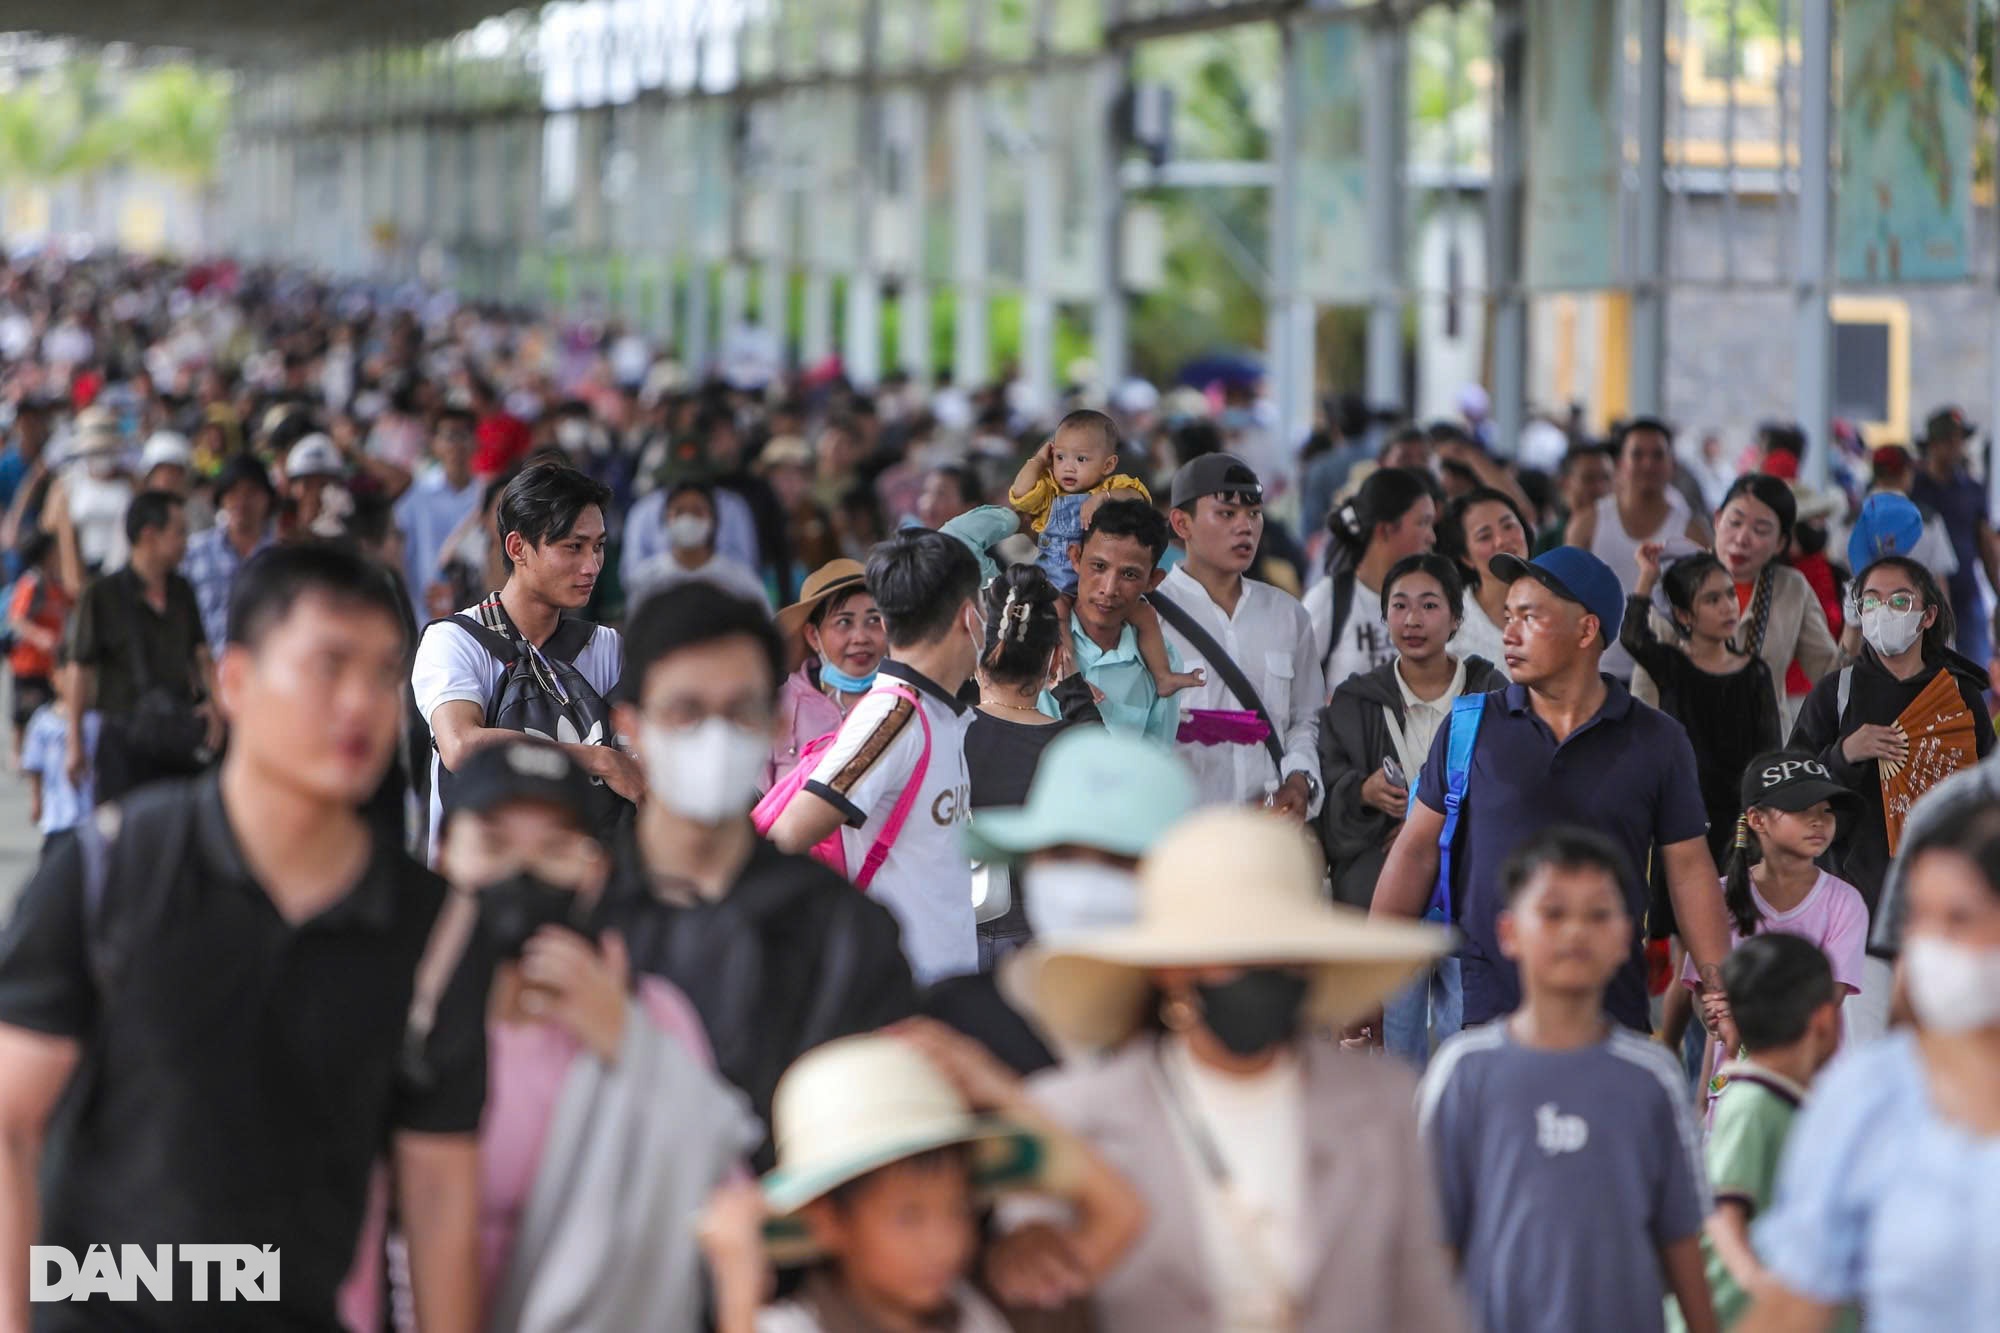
251, 32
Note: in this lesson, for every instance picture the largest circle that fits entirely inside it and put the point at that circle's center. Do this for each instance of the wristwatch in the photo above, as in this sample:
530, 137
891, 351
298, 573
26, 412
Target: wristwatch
1313, 788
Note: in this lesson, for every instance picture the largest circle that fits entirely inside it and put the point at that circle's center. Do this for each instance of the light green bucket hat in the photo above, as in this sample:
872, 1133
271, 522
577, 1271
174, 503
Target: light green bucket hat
1093, 788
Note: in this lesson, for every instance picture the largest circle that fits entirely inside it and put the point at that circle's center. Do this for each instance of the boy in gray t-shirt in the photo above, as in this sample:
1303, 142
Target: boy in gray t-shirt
1567, 1156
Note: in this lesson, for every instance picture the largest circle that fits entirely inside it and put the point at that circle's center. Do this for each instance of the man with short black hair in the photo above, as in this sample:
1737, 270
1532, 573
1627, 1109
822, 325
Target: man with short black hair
1116, 564
925, 584
138, 657
948, 490
218, 973
1568, 744
437, 502
522, 649
1219, 513
776, 952
244, 499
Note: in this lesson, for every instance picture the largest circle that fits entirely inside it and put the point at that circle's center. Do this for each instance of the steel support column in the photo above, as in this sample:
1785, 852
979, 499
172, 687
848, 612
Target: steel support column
1289, 314
1649, 291
1510, 301
1812, 327
913, 295
1387, 144
1109, 327
970, 338
697, 343
1038, 307
732, 310
816, 332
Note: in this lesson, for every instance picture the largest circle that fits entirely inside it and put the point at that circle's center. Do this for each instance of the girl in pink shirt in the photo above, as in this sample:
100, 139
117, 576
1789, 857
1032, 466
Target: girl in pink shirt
1790, 805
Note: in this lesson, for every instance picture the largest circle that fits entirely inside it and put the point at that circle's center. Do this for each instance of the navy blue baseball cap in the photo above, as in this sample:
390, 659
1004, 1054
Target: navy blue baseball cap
1575, 575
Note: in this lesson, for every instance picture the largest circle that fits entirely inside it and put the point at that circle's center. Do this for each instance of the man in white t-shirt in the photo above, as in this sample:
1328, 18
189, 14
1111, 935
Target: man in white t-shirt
552, 528
926, 584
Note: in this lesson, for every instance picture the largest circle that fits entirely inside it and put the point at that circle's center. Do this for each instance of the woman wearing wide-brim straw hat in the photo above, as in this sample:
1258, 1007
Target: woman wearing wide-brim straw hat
844, 641
1285, 1182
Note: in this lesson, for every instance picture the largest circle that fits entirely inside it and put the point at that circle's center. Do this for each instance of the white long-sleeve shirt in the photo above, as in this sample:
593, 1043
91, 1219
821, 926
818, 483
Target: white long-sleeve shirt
1271, 639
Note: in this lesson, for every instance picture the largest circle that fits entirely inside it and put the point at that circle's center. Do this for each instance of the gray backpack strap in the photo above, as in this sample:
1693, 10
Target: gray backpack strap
109, 937
1841, 692
95, 837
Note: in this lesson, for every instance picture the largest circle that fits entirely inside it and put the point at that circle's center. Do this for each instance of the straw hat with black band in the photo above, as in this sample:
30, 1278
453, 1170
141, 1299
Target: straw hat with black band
1228, 888
832, 579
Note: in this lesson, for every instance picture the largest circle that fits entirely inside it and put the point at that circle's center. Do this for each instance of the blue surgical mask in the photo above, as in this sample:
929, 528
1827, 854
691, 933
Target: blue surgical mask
833, 677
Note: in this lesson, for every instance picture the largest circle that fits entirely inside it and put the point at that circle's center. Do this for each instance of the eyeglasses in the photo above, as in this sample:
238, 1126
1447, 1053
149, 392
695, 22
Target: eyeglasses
1899, 602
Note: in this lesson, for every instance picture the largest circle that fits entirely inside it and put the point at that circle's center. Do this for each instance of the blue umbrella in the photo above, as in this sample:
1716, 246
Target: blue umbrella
1232, 370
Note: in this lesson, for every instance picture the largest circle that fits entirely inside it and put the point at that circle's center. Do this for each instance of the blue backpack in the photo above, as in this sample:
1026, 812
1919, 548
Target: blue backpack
1466, 712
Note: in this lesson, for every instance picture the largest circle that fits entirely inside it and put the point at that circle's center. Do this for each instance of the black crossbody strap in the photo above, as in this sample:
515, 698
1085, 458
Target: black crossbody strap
1232, 675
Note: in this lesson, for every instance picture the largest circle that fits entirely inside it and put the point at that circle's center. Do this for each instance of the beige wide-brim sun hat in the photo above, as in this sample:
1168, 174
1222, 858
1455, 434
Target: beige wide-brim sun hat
829, 580
1229, 887
857, 1104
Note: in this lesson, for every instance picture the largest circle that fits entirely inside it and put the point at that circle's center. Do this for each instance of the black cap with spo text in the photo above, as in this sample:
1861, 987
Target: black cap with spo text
1216, 474
522, 770
1792, 780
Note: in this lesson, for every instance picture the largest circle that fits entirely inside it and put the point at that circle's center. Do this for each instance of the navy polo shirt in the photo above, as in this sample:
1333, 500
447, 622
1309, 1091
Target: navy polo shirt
1628, 774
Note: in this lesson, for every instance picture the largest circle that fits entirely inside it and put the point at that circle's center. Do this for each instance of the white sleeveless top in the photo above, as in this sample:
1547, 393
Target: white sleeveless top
1620, 550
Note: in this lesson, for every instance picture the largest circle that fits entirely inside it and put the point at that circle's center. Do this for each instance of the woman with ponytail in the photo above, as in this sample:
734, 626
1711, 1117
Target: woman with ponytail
1008, 733
1392, 516
1774, 883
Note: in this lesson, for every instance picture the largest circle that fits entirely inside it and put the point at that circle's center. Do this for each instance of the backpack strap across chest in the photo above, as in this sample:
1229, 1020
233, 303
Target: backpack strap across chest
122, 900
1467, 711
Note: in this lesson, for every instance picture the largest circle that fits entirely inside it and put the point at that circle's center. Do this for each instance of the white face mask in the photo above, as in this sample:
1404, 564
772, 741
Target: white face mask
1062, 897
1889, 631
707, 772
688, 532
1952, 988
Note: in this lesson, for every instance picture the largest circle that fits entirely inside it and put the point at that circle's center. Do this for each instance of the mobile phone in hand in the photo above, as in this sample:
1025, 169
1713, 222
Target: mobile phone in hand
1394, 772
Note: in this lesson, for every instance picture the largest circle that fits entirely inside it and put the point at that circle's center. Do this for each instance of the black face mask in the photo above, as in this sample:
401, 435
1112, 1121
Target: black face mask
511, 910
1256, 1011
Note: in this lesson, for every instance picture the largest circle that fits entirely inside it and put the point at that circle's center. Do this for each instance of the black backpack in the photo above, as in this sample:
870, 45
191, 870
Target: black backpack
541, 693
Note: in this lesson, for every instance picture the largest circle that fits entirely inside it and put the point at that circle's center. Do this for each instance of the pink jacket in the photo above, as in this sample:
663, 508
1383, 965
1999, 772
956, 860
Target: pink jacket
807, 714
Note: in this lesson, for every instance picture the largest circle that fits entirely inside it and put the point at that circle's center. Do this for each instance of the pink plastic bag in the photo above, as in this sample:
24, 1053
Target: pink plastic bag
1221, 726
831, 852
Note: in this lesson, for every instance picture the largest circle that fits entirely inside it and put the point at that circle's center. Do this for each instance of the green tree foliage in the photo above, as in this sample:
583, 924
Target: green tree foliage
80, 120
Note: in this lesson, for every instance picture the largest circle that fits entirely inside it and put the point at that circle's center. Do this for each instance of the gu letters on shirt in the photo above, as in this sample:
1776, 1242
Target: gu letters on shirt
214, 1273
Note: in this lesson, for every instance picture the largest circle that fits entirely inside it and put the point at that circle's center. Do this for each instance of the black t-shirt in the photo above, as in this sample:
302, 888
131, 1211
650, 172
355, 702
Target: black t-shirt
1002, 757
132, 647
239, 1075
790, 957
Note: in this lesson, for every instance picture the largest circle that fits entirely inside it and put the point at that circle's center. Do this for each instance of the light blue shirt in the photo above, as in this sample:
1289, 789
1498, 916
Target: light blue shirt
1130, 706
983, 528
1882, 1203
428, 513
45, 753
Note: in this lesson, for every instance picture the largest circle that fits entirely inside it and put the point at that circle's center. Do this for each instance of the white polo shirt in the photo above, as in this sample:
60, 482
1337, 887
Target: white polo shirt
926, 880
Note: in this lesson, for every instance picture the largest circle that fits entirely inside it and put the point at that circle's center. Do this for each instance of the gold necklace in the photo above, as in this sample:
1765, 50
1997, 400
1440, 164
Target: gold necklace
1012, 708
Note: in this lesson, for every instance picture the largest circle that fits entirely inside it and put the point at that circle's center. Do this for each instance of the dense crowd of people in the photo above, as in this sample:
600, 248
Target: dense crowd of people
546, 838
